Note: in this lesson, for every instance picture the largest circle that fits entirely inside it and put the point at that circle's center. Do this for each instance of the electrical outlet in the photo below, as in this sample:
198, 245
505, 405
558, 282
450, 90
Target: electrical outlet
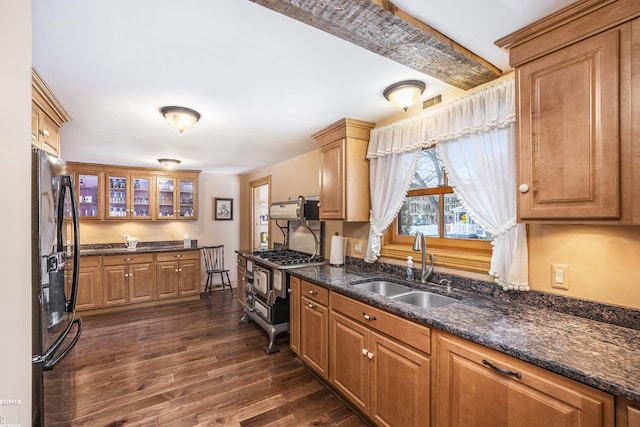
357, 247
560, 276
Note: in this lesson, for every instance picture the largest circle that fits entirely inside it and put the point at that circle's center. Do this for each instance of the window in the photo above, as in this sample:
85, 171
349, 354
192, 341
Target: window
432, 208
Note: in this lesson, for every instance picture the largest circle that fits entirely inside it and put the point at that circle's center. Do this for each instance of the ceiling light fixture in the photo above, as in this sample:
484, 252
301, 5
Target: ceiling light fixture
404, 94
169, 163
181, 118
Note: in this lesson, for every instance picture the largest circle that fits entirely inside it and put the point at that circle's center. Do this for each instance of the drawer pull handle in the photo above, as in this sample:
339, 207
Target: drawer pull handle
501, 370
128, 259
313, 292
178, 256
366, 316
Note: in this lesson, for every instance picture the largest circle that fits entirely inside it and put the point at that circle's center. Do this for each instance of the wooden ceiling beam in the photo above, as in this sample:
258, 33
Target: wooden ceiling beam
381, 27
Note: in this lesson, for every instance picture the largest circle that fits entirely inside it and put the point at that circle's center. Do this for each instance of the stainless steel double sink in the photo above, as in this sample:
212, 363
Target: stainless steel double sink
406, 294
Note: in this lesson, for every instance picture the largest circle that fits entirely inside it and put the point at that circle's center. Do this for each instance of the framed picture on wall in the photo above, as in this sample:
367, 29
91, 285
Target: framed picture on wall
222, 209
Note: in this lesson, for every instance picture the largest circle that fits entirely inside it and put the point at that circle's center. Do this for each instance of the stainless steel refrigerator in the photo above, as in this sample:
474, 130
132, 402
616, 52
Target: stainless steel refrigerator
55, 264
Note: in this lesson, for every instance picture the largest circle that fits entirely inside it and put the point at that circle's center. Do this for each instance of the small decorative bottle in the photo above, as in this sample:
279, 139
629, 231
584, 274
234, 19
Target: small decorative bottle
409, 271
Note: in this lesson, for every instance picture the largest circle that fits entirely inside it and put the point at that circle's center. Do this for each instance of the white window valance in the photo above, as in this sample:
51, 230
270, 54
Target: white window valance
476, 141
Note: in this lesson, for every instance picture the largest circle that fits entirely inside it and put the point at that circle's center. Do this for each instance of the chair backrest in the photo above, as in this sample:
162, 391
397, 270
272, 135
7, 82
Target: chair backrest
213, 257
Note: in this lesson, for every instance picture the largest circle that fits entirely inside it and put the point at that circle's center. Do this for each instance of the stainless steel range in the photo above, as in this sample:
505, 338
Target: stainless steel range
267, 279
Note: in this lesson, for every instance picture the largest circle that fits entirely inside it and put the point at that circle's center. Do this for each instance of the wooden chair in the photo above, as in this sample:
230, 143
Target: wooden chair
214, 263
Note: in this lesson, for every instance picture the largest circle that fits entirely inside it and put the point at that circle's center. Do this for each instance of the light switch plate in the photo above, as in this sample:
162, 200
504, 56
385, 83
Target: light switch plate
560, 276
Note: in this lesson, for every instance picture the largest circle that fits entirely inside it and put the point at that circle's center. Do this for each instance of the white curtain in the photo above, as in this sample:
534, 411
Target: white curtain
476, 140
393, 153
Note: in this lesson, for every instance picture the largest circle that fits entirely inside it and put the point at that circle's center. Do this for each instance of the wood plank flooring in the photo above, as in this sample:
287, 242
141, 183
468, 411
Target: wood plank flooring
188, 364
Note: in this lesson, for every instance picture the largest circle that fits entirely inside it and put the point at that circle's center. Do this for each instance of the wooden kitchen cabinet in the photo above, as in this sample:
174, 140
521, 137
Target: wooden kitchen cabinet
242, 280
128, 279
89, 284
294, 314
47, 116
176, 198
314, 327
178, 274
481, 387
344, 170
577, 78
89, 293
89, 188
130, 193
380, 362
627, 413
129, 196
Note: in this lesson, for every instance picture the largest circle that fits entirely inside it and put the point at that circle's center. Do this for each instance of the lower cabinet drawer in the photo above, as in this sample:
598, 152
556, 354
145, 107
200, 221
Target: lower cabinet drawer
411, 333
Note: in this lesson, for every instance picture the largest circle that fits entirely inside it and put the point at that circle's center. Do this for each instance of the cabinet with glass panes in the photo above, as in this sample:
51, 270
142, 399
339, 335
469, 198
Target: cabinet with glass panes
128, 196
88, 185
88, 189
177, 198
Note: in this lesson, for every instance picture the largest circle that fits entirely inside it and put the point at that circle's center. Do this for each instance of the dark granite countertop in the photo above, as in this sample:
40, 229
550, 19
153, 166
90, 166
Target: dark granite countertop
598, 354
143, 247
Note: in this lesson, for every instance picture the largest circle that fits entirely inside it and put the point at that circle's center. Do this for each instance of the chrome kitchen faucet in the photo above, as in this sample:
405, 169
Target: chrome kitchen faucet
420, 244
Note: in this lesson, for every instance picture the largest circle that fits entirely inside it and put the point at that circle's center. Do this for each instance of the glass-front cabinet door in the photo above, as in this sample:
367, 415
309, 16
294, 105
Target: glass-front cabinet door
166, 207
188, 199
128, 197
140, 199
88, 193
117, 196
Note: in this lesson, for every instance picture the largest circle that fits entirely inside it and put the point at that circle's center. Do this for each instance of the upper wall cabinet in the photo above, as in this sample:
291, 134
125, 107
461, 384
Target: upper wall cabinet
344, 170
47, 116
578, 114
177, 197
129, 193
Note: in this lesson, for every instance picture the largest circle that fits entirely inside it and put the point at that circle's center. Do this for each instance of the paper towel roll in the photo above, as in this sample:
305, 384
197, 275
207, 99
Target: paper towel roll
338, 247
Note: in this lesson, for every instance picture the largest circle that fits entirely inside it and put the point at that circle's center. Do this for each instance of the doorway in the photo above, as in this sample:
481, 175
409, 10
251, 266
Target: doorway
260, 201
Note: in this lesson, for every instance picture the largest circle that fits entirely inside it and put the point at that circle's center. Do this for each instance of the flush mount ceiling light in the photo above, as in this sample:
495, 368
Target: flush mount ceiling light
181, 118
169, 163
404, 94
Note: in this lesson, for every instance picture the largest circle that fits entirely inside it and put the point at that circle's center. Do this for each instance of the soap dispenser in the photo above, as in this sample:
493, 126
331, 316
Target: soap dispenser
409, 273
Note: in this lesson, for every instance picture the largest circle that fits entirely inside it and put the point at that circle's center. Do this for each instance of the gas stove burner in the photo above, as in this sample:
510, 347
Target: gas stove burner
288, 257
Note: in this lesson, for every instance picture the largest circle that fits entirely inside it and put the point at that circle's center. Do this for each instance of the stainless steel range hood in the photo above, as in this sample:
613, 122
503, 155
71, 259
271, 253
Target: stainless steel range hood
295, 210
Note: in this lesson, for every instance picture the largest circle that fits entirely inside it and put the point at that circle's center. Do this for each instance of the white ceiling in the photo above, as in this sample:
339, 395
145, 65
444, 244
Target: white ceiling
263, 82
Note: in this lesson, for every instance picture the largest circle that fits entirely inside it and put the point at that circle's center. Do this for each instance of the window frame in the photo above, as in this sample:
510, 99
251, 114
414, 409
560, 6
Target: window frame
462, 254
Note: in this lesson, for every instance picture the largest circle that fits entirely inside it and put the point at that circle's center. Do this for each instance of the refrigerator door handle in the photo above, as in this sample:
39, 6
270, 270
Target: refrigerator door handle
48, 363
66, 184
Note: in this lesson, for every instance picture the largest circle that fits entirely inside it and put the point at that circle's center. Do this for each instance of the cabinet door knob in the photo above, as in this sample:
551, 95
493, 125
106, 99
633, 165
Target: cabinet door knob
370, 355
176, 270
364, 351
44, 132
311, 305
313, 292
524, 188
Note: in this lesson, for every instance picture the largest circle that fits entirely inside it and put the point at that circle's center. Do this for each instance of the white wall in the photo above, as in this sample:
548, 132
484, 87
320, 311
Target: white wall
15, 252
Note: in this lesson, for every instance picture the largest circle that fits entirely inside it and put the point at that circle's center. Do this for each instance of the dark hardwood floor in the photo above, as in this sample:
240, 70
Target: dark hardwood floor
189, 364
